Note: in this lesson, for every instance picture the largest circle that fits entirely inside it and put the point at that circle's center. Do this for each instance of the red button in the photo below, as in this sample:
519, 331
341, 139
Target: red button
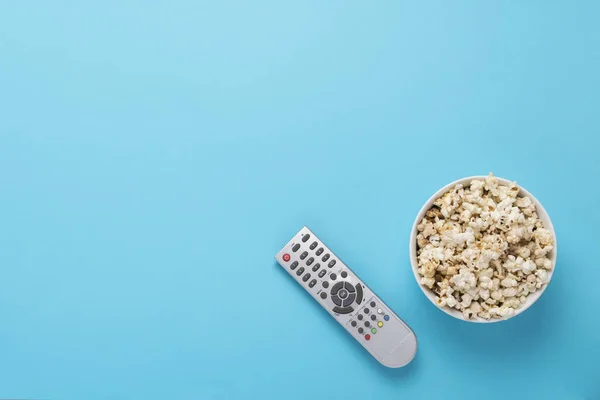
367, 336
286, 257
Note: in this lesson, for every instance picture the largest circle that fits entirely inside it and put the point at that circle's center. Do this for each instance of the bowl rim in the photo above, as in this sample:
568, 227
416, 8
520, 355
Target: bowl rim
542, 214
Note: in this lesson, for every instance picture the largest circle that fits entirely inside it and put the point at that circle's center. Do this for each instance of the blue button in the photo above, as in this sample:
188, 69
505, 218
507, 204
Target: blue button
386, 317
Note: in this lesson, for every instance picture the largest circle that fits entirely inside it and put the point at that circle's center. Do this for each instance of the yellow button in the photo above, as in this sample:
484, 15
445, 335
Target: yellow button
380, 324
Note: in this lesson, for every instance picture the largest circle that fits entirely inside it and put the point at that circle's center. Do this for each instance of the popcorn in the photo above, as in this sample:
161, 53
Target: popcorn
543, 237
466, 301
542, 275
475, 308
483, 250
512, 302
484, 315
547, 264
509, 282
496, 295
429, 282
464, 280
523, 252
485, 282
529, 266
522, 299
427, 270
451, 301
502, 312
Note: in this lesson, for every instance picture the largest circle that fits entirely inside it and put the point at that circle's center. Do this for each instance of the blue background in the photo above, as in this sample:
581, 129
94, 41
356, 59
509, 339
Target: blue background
155, 155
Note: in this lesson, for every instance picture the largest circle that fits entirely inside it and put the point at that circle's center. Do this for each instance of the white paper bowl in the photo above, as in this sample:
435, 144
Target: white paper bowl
543, 215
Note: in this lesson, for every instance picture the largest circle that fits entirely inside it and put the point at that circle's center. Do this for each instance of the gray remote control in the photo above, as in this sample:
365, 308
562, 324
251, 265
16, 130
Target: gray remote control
372, 323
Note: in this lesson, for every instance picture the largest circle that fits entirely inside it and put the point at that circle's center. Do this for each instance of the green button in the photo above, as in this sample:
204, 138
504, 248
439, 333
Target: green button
373, 330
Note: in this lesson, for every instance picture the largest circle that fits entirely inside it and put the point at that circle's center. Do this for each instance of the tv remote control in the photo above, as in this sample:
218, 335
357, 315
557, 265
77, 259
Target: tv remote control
341, 292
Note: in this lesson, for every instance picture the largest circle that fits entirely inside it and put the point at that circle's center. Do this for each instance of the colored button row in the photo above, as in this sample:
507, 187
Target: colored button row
379, 311
373, 330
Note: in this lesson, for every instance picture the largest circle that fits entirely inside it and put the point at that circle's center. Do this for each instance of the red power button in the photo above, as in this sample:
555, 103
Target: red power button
286, 257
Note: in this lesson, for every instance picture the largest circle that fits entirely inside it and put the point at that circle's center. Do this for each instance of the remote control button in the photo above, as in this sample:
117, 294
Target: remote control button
305, 237
296, 247
374, 330
372, 304
316, 267
366, 310
343, 310
300, 271
360, 317
367, 337
360, 330
312, 283
294, 265
325, 257
336, 300
310, 261
349, 300
348, 286
359, 293
344, 274
380, 324
325, 284
342, 293
386, 317
379, 311
313, 245
306, 277
337, 287
373, 317
319, 251
322, 273
367, 324
286, 257
353, 323
323, 295
333, 277
331, 263
303, 255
